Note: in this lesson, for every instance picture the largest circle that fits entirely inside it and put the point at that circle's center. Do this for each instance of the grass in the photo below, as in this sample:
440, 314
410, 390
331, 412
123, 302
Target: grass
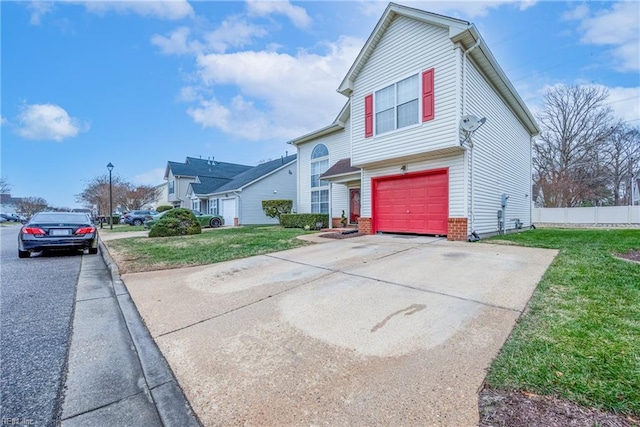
121, 228
580, 338
137, 254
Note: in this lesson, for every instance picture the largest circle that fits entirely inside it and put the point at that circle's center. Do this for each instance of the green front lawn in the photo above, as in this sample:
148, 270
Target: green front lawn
121, 228
580, 338
137, 254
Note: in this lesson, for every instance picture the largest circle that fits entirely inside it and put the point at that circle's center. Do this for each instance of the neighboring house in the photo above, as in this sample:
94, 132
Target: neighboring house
9, 204
193, 170
162, 197
239, 200
396, 160
635, 200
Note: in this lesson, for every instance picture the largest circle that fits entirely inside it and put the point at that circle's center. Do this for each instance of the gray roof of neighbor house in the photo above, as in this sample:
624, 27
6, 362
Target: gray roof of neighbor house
208, 185
255, 173
205, 167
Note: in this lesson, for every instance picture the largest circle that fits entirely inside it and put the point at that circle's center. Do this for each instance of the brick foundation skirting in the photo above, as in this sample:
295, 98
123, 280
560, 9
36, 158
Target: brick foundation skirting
335, 222
364, 225
457, 229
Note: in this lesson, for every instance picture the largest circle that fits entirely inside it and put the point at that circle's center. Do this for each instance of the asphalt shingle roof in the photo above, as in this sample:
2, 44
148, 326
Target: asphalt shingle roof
208, 185
209, 168
254, 173
341, 167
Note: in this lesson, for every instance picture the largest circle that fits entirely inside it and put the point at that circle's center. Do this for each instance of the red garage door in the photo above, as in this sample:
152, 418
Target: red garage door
411, 203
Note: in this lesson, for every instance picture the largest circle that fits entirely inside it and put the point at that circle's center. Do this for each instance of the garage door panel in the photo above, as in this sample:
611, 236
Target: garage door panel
412, 203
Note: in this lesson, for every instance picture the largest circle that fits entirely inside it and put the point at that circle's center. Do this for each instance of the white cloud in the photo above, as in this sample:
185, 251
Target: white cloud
625, 103
240, 119
298, 91
163, 9
233, 32
151, 177
177, 43
3, 121
618, 27
48, 122
296, 14
38, 10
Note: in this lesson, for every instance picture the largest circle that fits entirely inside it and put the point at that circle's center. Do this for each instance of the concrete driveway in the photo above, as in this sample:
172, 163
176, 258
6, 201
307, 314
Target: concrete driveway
374, 330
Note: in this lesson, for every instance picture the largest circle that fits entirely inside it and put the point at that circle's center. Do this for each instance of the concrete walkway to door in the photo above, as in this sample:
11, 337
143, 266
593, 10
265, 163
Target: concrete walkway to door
373, 330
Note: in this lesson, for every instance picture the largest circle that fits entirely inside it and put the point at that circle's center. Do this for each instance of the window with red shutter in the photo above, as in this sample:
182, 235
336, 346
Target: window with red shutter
368, 116
428, 98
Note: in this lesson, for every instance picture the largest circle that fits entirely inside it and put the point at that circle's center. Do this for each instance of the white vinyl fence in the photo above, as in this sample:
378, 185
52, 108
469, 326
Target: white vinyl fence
596, 215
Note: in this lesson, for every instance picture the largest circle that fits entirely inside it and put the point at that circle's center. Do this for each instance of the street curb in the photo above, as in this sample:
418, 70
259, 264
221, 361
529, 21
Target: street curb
172, 405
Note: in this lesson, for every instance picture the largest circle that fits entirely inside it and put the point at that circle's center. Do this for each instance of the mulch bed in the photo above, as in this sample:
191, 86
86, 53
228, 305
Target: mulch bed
340, 235
519, 409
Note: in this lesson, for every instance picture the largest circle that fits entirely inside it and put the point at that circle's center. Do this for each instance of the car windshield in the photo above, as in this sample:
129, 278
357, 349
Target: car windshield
60, 217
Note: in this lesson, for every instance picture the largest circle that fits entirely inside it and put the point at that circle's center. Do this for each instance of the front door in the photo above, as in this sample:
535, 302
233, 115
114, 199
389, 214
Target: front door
354, 205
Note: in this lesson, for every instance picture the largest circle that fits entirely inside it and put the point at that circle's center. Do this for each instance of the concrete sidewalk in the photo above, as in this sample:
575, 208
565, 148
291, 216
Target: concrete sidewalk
116, 374
372, 330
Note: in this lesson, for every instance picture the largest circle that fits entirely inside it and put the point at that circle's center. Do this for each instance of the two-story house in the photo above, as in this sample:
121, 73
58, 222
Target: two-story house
194, 170
396, 158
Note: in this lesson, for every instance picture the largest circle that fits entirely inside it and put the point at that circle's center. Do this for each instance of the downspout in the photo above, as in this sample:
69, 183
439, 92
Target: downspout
464, 95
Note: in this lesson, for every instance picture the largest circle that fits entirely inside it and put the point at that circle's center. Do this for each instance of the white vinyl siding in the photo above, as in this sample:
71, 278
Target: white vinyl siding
407, 45
456, 176
339, 148
502, 155
280, 185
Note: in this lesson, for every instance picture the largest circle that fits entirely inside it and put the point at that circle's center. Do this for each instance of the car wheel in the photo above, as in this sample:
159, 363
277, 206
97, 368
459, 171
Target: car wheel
215, 222
23, 254
93, 251
137, 222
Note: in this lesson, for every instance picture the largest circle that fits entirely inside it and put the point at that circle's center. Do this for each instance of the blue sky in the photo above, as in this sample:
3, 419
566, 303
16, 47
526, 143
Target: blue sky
140, 83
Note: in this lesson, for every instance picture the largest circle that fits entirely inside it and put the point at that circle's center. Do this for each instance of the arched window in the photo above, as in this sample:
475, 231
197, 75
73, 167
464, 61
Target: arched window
319, 187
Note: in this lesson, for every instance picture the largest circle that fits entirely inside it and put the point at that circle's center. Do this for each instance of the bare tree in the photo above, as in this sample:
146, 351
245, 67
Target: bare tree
623, 151
568, 162
96, 193
30, 205
134, 197
124, 194
4, 186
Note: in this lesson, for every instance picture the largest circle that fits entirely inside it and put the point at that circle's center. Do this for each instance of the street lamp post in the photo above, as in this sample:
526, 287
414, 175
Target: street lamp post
110, 167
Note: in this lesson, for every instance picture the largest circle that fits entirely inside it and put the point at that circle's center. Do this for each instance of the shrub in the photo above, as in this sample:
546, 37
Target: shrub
306, 221
176, 222
275, 208
163, 208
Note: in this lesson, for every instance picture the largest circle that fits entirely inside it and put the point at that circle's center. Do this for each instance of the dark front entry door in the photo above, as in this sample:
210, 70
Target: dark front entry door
354, 205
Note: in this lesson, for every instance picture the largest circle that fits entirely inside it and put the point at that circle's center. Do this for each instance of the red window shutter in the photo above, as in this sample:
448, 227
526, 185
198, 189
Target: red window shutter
428, 98
368, 116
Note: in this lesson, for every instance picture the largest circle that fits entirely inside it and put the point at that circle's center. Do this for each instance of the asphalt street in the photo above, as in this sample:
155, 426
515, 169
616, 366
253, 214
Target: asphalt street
37, 297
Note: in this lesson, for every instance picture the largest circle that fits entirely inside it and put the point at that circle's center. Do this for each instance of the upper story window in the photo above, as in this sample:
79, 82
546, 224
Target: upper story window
398, 105
171, 187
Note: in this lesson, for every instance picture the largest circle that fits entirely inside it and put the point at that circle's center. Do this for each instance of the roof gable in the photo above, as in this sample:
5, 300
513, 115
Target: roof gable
393, 10
461, 33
